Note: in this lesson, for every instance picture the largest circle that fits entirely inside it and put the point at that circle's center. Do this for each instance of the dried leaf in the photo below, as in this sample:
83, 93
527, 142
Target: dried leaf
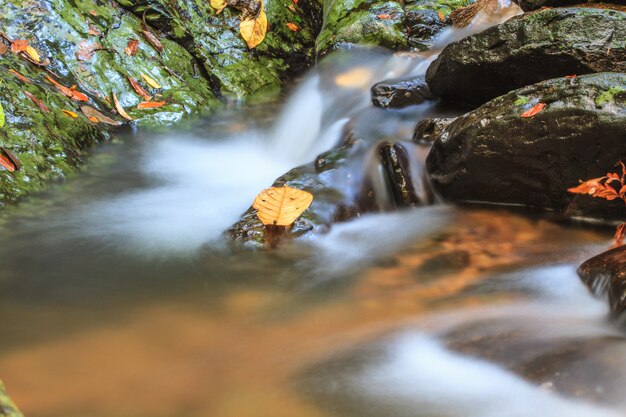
93, 119
534, 110
292, 8
6, 163
281, 206
3, 48
37, 102
86, 50
151, 81
138, 88
19, 45
120, 109
442, 16
293, 27
32, 53
69, 92
218, 5
253, 30
151, 104
384, 16
152, 40
20, 76
70, 114
12, 157
92, 113
619, 235
94, 31
132, 47
2, 118
570, 76
93, 13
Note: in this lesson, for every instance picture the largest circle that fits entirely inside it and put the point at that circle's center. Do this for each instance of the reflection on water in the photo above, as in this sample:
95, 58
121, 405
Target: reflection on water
120, 298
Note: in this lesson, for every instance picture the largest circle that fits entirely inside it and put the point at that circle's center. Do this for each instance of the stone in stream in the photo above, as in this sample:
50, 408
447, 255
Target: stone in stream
605, 275
494, 155
404, 190
528, 5
427, 130
527, 49
400, 93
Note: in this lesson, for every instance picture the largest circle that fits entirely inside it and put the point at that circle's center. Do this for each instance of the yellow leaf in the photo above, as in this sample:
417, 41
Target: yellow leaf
253, 29
32, 53
70, 113
356, 77
281, 206
151, 81
218, 5
120, 109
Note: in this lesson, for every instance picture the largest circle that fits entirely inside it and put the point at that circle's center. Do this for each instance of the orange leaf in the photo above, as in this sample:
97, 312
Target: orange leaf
3, 48
19, 45
570, 76
295, 1
69, 92
619, 235
6, 163
132, 47
138, 88
93, 13
293, 27
93, 119
12, 157
35, 100
20, 76
384, 16
94, 31
442, 16
151, 104
536, 109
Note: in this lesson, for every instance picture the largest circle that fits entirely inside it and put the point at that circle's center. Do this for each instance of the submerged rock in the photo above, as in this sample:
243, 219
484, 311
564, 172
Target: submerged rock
494, 155
528, 49
605, 275
400, 93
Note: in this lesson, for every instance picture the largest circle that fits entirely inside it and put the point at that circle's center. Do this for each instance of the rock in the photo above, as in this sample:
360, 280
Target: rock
528, 5
605, 275
7, 407
527, 49
404, 190
214, 41
493, 155
400, 93
392, 24
51, 144
427, 130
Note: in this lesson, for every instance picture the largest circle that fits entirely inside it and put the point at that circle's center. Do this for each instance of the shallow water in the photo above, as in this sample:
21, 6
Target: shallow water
121, 297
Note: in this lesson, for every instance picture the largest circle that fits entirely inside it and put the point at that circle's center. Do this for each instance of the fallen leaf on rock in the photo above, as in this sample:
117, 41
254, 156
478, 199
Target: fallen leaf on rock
86, 50
150, 37
94, 31
69, 92
570, 76
119, 108
19, 45
132, 47
138, 88
619, 235
70, 114
151, 81
534, 110
20, 76
93, 13
384, 16
218, 5
442, 16
9, 160
281, 206
356, 77
151, 104
3, 48
293, 27
92, 114
37, 102
253, 29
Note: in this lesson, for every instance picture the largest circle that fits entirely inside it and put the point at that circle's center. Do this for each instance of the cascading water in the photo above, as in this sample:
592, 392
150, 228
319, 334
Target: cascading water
110, 309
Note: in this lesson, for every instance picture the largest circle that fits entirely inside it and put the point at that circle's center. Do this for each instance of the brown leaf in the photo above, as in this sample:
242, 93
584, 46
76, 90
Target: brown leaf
17, 165
132, 47
3, 48
94, 31
151, 104
20, 76
281, 206
90, 112
86, 50
619, 235
384, 16
19, 45
6, 163
293, 27
253, 29
534, 110
35, 100
152, 40
138, 88
120, 109
569, 77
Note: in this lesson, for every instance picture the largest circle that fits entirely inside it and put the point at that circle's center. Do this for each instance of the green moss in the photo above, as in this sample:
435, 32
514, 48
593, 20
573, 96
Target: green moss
608, 96
521, 101
7, 407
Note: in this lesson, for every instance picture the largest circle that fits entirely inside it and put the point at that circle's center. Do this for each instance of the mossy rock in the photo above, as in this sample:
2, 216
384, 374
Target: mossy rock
7, 407
214, 40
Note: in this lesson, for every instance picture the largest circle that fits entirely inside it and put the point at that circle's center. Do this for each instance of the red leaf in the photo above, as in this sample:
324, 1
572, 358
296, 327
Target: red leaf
151, 104
536, 109
132, 47
139, 89
7, 163
293, 27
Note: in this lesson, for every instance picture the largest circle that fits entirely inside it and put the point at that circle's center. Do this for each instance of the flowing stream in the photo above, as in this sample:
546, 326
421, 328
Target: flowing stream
120, 295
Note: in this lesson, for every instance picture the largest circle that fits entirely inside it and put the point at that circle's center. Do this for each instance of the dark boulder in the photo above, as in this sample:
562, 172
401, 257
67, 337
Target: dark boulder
494, 155
527, 49
427, 130
605, 275
528, 5
400, 93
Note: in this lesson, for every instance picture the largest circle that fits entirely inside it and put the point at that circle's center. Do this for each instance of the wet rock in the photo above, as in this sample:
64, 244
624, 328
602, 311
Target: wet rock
391, 24
493, 155
84, 43
528, 5
605, 275
7, 407
427, 130
224, 57
527, 49
404, 190
400, 93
